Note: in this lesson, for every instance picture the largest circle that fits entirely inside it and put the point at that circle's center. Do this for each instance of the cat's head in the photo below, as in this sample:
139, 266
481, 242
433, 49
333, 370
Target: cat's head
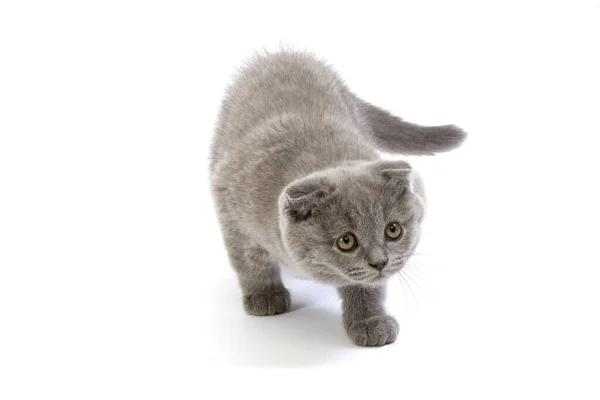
353, 224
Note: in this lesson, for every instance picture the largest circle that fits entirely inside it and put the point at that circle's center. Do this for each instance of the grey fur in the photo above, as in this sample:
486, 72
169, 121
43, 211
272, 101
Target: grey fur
398, 136
294, 165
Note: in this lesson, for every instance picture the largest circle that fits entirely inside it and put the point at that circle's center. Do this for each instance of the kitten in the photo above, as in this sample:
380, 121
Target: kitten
297, 180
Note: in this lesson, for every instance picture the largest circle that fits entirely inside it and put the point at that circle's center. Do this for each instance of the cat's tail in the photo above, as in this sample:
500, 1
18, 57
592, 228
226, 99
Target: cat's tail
394, 135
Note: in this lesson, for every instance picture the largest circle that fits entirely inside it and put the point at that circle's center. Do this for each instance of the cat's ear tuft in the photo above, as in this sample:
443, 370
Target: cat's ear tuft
302, 196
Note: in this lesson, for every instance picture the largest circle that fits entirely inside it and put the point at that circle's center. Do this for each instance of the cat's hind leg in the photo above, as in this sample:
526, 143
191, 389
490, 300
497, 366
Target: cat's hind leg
259, 277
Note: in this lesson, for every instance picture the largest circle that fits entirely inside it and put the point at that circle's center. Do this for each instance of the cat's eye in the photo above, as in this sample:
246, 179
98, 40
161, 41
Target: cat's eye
346, 242
393, 231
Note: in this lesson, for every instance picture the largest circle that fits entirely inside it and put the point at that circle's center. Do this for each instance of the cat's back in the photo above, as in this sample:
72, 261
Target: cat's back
272, 88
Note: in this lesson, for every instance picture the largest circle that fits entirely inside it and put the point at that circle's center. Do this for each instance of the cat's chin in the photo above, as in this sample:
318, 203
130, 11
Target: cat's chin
378, 280
373, 281
367, 283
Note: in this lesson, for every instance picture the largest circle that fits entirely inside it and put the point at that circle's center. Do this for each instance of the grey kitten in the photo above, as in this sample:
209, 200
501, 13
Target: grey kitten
297, 180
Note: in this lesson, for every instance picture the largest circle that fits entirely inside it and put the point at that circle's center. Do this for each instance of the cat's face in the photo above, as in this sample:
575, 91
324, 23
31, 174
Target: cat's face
355, 224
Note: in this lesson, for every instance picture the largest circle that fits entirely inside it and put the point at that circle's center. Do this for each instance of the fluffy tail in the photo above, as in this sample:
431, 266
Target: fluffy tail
394, 135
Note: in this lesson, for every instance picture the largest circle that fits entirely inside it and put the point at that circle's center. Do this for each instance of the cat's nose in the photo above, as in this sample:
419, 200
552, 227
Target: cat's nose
379, 265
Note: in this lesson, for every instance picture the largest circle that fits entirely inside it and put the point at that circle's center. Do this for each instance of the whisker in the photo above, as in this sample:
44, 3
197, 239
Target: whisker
415, 261
410, 264
408, 268
412, 280
409, 287
402, 284
413, 266
413, 273
358, 276
397, 262
330, 296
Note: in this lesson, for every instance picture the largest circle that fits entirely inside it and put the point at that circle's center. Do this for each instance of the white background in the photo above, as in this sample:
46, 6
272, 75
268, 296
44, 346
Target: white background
114, 283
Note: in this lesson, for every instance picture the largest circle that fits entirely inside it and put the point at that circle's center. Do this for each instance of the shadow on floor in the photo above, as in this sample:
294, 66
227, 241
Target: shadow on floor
307, 335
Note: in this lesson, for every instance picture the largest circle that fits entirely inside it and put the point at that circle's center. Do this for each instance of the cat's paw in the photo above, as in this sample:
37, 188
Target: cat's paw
267, 303
374, 331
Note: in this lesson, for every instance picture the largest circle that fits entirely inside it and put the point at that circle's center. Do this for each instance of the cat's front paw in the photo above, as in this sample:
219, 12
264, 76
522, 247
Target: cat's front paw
374, 331
267, 303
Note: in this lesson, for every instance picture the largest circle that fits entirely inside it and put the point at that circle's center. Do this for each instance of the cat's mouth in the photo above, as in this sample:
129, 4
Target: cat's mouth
366, 276
369, 277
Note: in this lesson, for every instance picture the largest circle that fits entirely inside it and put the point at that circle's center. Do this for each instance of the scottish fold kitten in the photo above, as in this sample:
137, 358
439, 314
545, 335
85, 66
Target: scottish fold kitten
297, 180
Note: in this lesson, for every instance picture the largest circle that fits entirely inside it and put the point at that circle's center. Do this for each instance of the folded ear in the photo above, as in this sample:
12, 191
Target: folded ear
417, 186
302, 196
398, 170
401, 172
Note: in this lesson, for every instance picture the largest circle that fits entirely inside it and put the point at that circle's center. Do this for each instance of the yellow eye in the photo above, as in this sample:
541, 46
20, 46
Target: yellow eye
393, 230
346, 242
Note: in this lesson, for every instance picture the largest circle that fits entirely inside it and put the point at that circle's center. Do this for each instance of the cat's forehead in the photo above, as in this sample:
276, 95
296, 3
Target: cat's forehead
359, 202
373, 191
